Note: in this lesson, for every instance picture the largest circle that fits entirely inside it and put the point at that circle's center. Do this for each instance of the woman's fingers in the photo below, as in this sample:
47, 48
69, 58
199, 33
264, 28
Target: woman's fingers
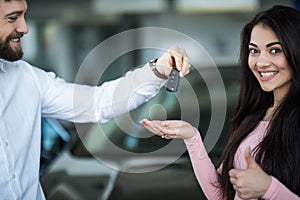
170, 129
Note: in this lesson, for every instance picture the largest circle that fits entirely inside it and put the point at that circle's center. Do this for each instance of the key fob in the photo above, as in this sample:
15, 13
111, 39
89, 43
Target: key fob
173, 81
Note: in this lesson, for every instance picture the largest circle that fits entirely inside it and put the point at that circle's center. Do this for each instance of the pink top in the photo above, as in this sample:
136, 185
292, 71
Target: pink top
206, 172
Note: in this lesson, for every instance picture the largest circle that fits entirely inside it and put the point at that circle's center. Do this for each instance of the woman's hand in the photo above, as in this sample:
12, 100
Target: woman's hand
170, 129
174, 57
252, 182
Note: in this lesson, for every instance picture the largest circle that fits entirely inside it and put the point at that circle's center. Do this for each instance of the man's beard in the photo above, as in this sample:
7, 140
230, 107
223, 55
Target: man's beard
7, 52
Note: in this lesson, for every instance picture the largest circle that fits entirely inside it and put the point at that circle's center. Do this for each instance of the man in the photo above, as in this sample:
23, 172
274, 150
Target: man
28, 93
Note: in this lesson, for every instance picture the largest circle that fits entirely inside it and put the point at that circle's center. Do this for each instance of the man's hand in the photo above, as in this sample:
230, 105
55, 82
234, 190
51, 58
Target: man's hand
251, 182
174, 57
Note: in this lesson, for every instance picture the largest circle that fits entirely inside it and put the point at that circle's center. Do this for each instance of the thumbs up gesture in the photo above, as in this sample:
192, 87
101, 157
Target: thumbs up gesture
251, 182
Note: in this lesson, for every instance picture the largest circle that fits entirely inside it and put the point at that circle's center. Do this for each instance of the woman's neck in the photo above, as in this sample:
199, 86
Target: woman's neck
278, 98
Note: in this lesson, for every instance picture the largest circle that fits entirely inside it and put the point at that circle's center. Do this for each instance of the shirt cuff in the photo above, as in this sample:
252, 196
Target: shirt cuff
279, 191
148, 70
193, 140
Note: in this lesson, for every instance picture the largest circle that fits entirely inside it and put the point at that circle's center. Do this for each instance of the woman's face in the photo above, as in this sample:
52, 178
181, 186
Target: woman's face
268, 62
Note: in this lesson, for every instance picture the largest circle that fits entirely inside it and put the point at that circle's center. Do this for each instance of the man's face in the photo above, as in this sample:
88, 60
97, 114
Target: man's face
12, 27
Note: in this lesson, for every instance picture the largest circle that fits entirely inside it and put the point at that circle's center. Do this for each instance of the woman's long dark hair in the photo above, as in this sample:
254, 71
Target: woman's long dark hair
279, 153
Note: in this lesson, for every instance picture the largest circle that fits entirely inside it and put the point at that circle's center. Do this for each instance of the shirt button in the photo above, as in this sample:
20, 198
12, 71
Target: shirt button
6, 144
13, 176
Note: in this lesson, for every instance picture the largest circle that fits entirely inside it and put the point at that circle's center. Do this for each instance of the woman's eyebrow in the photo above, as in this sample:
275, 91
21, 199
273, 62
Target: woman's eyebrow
273, 43
252, 44
268, 45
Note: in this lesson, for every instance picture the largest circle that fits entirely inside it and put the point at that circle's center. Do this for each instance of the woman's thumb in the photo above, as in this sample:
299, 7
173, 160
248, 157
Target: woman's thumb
249, 160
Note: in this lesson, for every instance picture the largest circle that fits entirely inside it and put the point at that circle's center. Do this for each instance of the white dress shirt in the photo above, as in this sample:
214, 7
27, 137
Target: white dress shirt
28, 93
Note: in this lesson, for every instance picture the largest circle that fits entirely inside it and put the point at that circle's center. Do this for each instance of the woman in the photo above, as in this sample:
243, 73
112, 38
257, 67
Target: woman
262, 156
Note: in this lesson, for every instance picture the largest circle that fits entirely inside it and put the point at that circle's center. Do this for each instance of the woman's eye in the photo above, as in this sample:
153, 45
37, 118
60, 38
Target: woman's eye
275, 50
253, 51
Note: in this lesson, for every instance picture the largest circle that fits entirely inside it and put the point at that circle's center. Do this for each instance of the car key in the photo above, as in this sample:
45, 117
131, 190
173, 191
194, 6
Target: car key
173, 81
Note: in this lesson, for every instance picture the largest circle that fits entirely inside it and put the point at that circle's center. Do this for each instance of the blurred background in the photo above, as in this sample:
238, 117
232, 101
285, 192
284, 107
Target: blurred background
63, 33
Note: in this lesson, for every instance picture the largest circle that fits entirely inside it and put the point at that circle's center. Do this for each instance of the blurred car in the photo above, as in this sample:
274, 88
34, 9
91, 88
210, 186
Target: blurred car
54, 139
120, 160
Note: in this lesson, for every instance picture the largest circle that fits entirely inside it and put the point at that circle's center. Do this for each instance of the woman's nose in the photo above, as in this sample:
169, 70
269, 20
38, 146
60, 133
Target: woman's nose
263, 60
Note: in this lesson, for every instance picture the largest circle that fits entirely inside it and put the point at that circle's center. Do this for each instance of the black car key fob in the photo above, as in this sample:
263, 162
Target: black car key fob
173, 81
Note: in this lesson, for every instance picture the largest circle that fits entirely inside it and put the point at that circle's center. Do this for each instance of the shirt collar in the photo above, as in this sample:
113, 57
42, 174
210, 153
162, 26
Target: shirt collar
2, 66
